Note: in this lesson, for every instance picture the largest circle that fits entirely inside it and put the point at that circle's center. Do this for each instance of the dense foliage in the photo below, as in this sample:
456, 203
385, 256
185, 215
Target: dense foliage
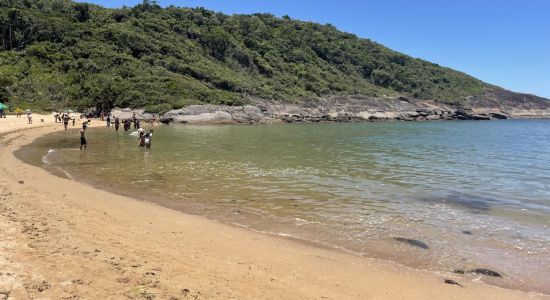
59, 53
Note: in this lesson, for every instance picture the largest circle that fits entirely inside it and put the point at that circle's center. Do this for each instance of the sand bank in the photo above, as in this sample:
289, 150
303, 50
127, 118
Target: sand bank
60, 239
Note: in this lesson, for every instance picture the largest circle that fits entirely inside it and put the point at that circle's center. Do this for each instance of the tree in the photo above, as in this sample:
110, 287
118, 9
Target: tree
83, 12
218, 42
58, 52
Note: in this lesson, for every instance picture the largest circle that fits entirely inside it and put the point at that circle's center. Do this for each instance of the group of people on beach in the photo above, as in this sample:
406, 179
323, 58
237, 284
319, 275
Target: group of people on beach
64, 118
18, 112
144, 138
127, 123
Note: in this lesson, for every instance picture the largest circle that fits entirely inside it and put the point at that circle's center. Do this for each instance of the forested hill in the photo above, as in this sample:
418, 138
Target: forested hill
58, 53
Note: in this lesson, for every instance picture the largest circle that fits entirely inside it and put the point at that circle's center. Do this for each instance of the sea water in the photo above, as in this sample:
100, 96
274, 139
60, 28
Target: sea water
477, 193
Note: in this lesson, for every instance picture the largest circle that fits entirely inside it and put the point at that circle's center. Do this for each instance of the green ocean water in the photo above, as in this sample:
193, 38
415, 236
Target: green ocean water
353, 186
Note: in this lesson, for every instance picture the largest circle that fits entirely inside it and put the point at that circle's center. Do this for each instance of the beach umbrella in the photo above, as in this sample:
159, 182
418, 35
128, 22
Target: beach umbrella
3, 106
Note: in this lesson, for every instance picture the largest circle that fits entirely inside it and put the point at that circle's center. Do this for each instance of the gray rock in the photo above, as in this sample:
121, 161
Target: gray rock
450, 281
412, 242
486, 272
215, 114
127, 113
493, 104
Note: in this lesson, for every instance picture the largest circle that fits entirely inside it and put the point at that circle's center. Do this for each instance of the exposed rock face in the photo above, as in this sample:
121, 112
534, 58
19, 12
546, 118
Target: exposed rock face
494, 104
514, 105
216, 114
127, 113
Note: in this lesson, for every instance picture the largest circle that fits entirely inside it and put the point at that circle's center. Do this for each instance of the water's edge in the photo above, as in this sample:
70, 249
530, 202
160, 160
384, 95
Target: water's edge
97, 183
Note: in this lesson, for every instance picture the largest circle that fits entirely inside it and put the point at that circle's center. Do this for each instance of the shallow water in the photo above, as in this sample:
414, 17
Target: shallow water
352, 186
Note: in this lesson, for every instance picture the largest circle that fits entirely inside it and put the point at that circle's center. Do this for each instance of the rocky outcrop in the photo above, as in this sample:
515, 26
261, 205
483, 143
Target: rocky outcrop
494, 104
127, 113
216, 114
513, 105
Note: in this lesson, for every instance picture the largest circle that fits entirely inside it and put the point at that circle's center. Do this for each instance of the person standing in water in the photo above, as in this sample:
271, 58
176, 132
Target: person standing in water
141, 137
66, 120
148, 139
117, 123
108, 120
83, 137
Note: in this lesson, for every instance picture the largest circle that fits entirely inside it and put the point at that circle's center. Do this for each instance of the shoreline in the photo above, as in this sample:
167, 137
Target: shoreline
85, 242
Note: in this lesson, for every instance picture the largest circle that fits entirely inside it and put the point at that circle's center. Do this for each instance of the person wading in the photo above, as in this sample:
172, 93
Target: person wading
83, 137
66, 119
148, 139
141, 137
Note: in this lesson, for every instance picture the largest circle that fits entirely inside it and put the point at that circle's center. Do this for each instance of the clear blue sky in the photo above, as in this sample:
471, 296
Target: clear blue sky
503, 42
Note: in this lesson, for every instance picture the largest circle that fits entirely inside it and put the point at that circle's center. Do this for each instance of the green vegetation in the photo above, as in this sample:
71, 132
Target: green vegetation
58, 53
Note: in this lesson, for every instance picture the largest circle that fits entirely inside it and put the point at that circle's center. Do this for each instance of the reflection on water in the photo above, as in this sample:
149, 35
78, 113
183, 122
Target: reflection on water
360, 187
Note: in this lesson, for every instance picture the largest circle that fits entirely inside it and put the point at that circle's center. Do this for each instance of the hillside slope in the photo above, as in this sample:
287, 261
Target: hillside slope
58, 53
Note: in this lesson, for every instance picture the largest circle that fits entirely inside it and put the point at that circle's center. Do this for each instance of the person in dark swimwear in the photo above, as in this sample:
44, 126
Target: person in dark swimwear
117, 123
141, 137
148, 139
108, 120
66, 120
83, 137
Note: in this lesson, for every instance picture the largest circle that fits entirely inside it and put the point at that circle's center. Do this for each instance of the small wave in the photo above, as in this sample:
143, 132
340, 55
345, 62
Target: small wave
300, 222
67, 174
45, 159
299, 238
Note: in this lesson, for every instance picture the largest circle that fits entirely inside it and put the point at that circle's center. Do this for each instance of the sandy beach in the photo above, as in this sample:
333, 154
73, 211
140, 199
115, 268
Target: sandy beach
61, 239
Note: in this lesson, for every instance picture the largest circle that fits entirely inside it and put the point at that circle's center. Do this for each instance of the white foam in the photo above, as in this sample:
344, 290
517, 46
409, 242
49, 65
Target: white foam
45, 157
65, 173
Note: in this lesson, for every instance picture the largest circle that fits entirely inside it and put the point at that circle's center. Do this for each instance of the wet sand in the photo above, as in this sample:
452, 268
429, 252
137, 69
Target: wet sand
60, 239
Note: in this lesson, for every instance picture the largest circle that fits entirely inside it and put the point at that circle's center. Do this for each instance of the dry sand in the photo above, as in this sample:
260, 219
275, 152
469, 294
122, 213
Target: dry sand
60, 239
